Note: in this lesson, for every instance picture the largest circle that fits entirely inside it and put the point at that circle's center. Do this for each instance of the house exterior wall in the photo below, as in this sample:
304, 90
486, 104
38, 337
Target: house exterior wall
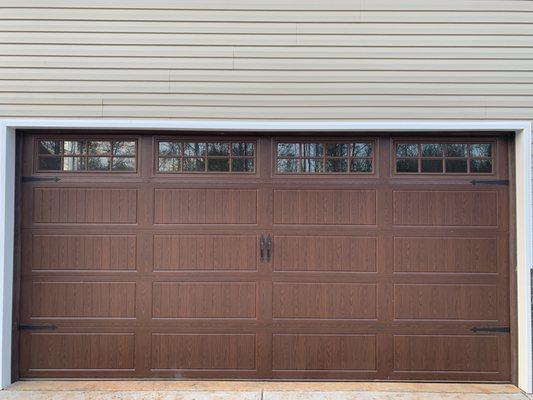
237, 59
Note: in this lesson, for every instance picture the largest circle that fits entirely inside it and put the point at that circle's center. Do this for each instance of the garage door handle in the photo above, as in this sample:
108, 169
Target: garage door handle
262, 248
265, 248
269, 248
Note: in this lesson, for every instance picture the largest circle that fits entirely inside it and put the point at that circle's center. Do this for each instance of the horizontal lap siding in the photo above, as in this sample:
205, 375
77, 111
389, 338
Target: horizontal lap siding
344, 59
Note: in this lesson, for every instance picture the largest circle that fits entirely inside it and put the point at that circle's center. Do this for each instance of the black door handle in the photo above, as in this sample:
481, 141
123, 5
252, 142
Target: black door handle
262, 248
269, 248
265, 248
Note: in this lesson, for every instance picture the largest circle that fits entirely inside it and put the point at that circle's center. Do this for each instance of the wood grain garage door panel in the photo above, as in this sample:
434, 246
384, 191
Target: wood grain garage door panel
316, 259
81, 351
83, 299
325, 207
459, 302
446, 254
205, 252
201, 351
324, 352
205, 206
325, 253
442, 353
324, 300
84, 252
84, 206
446, 208
204, 299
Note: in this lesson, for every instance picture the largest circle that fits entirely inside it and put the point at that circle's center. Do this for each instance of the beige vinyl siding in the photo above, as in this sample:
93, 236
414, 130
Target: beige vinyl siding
250, 59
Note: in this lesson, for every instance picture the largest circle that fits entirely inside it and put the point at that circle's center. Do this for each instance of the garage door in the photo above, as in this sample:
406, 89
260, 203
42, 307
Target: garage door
176, 256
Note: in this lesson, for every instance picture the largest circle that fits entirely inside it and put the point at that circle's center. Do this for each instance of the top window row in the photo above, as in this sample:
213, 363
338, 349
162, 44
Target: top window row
313, 157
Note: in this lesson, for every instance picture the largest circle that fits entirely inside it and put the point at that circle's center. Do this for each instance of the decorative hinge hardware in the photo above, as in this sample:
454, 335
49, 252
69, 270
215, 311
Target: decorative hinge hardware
502, 182
35, 327
40, 179
502, 329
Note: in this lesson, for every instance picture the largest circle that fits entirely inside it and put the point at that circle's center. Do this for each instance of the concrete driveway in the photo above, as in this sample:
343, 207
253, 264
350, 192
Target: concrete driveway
231, 390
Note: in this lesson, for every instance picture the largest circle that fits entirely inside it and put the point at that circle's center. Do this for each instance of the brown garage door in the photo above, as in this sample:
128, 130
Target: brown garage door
274, 257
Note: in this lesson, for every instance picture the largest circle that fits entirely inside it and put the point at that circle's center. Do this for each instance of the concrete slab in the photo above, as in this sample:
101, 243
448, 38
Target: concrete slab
129, 395
389, 396
127, 385
249, 390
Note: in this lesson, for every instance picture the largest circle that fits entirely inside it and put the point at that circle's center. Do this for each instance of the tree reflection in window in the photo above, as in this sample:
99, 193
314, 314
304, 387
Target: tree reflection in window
444, 158
319, 157
87, 155
187, 156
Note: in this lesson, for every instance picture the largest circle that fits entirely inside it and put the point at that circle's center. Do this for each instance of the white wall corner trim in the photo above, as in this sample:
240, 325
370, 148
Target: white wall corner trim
7, 229
524, 225
524, 261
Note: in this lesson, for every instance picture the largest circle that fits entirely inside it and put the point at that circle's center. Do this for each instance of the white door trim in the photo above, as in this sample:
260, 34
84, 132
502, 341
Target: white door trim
524, 211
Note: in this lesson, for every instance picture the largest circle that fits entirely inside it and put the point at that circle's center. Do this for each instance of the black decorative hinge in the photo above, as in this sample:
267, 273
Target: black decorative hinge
502, 182
502, 329
39, 179
35, 327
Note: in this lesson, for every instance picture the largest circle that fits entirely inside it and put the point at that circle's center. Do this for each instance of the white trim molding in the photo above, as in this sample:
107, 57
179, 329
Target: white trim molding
524, 225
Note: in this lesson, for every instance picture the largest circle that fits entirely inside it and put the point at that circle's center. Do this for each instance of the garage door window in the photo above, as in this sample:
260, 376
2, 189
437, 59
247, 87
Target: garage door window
324, 157
83, 155
208, 157
444, 158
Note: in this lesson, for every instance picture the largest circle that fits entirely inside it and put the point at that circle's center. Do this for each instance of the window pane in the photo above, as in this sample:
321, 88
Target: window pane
169, 164
481, 166
218, 149
287, 165
217, 165
193, 164
242, 149
406, 165
406, 150
194, 149
337, 149
99, 148
312, 149
49, 147
361, 150
333, 165
431, 165
123, 148
169, 148
431, 150
74, 147
288, 149
456, 150
74, 164
456, 166
361, 165
123, 164
481, 150
50, 163
312, 165
98, 163
242, 165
